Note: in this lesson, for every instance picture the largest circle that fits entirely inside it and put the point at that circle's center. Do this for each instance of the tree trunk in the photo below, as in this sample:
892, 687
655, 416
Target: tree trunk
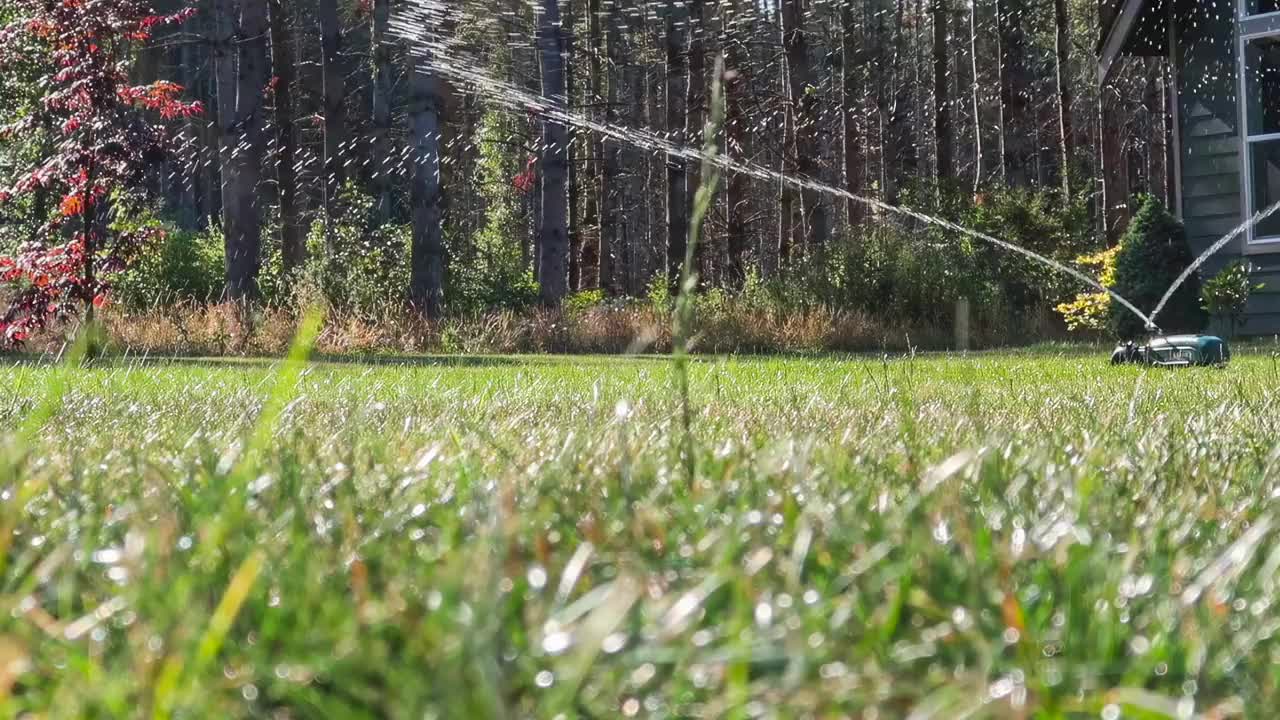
553, 256
611, 224
383, 168
941, 92
901, 154
335, 118
802, 90
1155, 107
242, 121
979, 161
1019, 150
593, 207
736, 138
677, 168
1115, 175
426, 122
292, 235
574, 229
1001, 115
849, 96
786, 192
695, 114
1066, 132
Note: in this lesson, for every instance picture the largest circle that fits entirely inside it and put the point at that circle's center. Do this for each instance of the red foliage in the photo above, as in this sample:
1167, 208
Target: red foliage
112, 135
524, 181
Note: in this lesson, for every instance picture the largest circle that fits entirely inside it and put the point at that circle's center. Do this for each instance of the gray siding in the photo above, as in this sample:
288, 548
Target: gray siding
1209, 126
1211, 151
1264, 305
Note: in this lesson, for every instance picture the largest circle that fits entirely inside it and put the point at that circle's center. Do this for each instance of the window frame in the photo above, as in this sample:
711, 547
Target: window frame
1250, 28
1245, 14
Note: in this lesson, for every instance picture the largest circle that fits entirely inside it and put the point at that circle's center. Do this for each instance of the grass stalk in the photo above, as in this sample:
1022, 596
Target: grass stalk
683, 321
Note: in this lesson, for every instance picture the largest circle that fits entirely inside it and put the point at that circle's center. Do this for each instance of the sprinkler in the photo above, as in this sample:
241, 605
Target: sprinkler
1173, 350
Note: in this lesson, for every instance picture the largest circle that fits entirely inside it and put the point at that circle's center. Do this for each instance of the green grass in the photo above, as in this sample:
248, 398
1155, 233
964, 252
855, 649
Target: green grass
1000, 535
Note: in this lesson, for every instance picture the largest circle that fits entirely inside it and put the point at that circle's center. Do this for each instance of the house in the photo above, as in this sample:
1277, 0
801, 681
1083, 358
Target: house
1225, 56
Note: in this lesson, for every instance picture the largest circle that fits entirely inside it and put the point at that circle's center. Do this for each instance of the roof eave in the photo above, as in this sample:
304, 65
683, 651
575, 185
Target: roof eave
1119, 35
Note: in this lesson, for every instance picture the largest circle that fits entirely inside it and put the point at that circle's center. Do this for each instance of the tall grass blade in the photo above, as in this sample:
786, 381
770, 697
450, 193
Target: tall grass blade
710, 181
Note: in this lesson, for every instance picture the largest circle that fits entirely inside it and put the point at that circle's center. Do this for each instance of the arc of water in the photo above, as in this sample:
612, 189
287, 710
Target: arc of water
413, 27
1213, 250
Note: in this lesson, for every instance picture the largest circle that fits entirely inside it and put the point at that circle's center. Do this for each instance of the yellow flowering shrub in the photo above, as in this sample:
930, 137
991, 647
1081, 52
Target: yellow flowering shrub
1088, 311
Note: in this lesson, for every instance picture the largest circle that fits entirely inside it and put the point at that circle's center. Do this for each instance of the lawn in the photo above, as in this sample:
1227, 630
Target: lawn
998, 535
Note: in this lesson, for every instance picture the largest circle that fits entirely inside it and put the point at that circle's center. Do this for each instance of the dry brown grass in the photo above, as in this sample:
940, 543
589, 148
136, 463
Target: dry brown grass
218, 330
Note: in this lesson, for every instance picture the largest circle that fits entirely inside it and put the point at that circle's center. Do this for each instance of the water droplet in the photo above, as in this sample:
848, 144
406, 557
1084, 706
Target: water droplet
830, 671
614, 643
544, 679
108, 556
556, 643
764, 614
537, 577
1000, 688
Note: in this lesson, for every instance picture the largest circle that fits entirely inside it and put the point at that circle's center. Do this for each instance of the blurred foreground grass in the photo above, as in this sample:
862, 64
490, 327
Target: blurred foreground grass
999, 535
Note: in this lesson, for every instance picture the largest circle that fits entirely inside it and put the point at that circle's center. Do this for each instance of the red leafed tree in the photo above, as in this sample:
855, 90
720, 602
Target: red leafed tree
111, 133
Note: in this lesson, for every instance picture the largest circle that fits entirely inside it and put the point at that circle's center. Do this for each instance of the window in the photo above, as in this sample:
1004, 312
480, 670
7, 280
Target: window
1261, 7
1261, 107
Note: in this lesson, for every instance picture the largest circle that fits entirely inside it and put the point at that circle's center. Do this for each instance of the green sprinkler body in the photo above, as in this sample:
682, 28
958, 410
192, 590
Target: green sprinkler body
1174, 351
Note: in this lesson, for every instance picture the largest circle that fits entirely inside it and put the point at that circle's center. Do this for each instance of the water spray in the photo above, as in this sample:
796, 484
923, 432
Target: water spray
414, 23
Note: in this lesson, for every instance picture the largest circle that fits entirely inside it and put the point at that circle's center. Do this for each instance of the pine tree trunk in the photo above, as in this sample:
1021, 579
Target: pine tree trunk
814, 223
1154, 102
242, 122
574, 230
593, 207
787, 200
736, 138
941, 92
1019, 148
292, 235
611, 157
901, 155
382, 88
677, 168
426, 197
335, 118
638, 185
1115, 180
1002, 113
979, 160
1066, 131
695, 115
849, 97
553, 250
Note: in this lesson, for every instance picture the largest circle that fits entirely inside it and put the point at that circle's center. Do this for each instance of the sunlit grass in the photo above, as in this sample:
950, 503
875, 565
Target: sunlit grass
1008, 535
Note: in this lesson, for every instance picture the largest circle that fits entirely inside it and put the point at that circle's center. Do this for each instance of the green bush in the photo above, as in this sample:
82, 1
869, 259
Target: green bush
178, 266
1153, 253
910, 272
583, 301
487, 268
1226, 295
366, 271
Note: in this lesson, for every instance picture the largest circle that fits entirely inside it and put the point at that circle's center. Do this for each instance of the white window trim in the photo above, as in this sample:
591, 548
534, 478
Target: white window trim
1243, 38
